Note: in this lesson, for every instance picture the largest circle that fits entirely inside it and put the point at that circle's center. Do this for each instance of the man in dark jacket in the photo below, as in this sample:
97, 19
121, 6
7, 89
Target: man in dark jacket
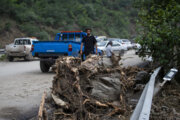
89, 43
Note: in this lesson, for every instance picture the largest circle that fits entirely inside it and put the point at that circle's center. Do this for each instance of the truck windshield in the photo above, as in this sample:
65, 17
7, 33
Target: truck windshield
23, 42
65, 37
78, 38
71, 37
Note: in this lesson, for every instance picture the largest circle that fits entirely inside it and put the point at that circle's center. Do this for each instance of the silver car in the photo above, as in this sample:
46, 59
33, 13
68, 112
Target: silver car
116, 46
127, 43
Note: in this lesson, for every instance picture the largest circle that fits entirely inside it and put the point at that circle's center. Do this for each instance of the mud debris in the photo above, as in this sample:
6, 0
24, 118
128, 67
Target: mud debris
166, 105
89, 91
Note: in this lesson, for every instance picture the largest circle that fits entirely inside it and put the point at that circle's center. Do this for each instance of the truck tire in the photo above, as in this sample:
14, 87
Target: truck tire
10, 58
44, 65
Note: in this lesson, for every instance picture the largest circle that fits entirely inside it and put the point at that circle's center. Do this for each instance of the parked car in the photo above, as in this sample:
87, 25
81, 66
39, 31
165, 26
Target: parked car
138, 50
116, 46
21, 48
120, 41
127, 43
138, 45
101, 38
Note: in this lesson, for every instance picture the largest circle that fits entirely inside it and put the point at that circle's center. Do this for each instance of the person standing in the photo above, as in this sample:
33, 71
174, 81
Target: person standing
109, 50
89, 43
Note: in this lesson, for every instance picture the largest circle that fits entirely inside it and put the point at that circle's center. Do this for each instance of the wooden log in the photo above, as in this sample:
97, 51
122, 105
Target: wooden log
41, 107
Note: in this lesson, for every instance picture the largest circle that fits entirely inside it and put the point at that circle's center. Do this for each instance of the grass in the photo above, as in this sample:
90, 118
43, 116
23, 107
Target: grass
3, 58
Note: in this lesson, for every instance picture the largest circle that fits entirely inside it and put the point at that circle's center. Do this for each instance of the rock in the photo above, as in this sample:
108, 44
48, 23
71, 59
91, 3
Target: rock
142, 77
106, 62
106, 88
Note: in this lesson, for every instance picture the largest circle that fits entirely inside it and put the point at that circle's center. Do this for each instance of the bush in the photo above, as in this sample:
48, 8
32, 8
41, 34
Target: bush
7, 26
160, 31
70, 15
49, 21
30, 29
43, 35
3, 57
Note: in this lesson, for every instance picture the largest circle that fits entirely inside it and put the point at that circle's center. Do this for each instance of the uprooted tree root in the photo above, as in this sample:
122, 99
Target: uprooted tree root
72, 90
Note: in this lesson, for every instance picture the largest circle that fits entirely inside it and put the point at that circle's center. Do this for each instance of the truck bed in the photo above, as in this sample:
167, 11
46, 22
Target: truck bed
55, 48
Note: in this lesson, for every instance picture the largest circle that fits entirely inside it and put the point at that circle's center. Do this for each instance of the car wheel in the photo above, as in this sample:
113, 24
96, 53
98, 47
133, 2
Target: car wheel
10, 58
44, 65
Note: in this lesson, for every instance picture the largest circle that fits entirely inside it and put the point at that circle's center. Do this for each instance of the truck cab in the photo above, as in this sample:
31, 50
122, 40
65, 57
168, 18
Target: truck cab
66, 43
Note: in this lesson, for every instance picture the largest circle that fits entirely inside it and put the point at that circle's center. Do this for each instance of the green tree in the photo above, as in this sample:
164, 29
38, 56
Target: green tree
159, 30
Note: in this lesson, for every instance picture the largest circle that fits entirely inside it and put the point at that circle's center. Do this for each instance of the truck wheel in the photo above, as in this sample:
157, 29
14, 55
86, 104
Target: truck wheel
44, 66
10, 58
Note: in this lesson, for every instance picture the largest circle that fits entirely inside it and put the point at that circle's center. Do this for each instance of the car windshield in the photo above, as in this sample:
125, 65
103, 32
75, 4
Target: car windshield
125, 40
111, 39
115, 43
23, 42
115, 39
101, 43
118, 40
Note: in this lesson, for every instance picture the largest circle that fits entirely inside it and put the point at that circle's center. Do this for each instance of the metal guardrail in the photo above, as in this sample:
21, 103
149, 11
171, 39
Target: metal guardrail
143, 108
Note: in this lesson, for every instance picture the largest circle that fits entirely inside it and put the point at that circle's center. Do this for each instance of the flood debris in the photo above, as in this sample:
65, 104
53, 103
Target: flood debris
166, 104
42, 109
89, 91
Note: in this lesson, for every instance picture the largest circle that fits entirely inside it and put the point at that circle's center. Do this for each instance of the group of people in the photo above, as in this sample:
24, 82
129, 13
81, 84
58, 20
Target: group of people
89, 42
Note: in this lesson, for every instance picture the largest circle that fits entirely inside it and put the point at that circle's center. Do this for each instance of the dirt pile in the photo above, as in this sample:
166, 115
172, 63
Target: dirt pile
90, 91
166, 105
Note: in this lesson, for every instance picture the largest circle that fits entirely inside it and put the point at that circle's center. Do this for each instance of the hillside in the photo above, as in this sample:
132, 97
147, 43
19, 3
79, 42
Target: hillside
44, 18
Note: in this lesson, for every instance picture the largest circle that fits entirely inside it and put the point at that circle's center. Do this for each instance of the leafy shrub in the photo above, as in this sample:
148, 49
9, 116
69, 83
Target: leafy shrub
7, 26
43, 35
159, 31
71, 14
30, 29
3, 57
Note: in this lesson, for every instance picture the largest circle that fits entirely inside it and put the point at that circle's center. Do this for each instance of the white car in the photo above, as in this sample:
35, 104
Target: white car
101, 38
21, 48
127, 43
138, 46
125, 46
116, 46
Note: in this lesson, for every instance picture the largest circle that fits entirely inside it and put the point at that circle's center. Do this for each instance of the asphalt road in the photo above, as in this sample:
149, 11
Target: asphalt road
21, 88
22, 85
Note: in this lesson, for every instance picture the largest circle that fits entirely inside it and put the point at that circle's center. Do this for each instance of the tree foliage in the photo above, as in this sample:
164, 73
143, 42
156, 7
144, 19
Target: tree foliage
112, 18
159, 30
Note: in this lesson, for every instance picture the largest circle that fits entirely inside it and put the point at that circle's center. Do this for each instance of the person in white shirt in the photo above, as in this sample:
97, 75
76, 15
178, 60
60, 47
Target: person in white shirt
109, 50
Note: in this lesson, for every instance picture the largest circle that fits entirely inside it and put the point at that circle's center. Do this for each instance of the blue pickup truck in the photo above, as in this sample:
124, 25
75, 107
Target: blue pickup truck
66, 43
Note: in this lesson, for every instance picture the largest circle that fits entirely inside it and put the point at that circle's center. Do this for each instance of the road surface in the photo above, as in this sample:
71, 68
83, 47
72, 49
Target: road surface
22, 85
21, 88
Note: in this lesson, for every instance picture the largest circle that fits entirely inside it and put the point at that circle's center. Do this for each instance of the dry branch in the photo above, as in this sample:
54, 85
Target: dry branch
41, 107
